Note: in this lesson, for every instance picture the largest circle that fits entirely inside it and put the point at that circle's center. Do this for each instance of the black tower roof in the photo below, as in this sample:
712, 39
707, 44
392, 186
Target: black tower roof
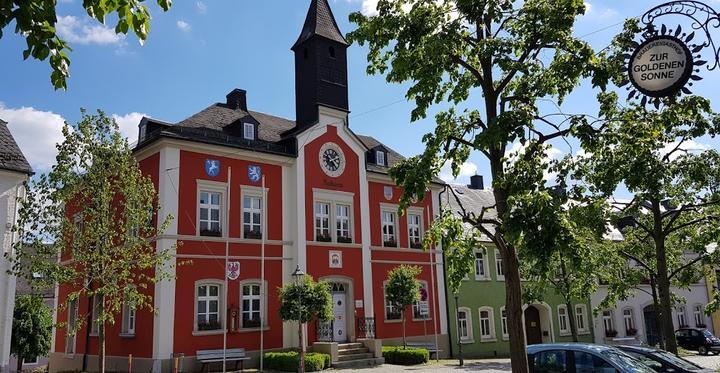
320, 21
11, 158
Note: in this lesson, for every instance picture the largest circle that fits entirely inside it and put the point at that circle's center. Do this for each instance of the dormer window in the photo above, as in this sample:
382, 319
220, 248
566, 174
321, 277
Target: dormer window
249, 131
143, 131
380, 157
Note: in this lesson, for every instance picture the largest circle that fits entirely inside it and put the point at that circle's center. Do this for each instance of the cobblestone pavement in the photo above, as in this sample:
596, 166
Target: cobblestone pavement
485, 365
710, 361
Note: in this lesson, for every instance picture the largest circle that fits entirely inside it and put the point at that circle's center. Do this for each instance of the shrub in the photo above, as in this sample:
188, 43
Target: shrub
405, 356
288, 361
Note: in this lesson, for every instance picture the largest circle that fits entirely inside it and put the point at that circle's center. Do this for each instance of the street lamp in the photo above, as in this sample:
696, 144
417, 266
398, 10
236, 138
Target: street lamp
298, 275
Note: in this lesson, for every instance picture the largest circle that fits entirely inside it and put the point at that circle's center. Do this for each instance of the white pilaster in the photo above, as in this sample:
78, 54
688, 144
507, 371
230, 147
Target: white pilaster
439, 269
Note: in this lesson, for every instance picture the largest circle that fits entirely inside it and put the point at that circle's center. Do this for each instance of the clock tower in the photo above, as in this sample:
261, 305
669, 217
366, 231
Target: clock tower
320, 65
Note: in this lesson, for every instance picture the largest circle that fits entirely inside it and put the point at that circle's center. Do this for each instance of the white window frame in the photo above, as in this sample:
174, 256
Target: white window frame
681, 312
212, 187
415, 212
628, 319
608, 320
394, 212
221, 305
340, 219
33, 362
499, 262
129, 319
484, 253
94, 326
247, 191
251, 127
490, 320
699, 315
417, 305
262, 297
468, 338
380, 158
323, 216
388, 307
504, 324
334, 199
563, 319
582, 314
70, 333
143, 133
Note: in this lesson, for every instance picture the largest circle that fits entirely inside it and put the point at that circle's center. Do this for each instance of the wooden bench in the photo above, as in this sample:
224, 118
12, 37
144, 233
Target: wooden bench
213, 356
432, 349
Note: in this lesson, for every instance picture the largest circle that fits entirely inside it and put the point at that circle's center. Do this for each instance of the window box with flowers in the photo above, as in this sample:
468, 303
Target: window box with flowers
611, 333
254, 234
416, 245
212, 325
342, 239
390, 243
210, 233
324, 237
631, 332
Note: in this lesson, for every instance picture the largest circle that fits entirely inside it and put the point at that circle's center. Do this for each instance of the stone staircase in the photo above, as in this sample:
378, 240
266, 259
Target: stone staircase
355, 355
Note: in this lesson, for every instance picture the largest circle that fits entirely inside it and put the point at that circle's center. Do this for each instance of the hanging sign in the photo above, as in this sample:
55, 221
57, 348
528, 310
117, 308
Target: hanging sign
660, 66
233, 270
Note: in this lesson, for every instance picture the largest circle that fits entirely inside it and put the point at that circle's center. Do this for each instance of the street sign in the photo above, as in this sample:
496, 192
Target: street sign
660, 66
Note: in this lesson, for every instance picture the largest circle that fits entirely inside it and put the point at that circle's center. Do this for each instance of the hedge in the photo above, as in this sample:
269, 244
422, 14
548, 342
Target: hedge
288, 361
405, 356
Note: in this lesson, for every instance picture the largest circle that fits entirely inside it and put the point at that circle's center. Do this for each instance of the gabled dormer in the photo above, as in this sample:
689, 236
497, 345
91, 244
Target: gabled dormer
378, 156
246, 127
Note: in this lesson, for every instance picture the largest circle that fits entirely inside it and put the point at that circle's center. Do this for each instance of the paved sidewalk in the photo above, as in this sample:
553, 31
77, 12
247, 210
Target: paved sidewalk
472, 365
709, 361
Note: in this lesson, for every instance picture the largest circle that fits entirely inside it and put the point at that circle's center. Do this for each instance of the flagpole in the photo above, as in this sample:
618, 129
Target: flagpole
433, 281
262, 273
225, 274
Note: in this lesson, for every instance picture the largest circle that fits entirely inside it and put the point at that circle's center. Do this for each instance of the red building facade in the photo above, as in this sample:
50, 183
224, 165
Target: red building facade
308, 193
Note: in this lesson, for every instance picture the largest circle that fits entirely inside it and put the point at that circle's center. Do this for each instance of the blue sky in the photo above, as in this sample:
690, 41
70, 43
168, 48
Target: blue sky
200, 50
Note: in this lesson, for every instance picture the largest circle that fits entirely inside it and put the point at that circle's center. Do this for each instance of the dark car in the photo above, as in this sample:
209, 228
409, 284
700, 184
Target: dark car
662, 361
698, 339
582, 358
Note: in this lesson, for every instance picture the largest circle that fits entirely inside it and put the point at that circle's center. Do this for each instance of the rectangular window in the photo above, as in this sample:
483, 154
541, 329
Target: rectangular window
629, 322
463, 318
380, 157
30, 361
580, 318
388, 228
699, 317
210, 213
249, 131
499, 266
682, 321
208, 307
415, 230
503, 321
486, 319
421, 307
95, 325
607, 317
480, 265
342, 223
251, 306
128, 319
252, 217
391, 312
322, 222
563, 319
71, 332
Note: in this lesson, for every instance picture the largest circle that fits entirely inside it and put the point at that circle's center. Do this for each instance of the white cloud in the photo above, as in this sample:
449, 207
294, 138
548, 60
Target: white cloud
467, 169
128, 124
36, 132
201, 7
588, 7
688, 146
369, 7
79, 31
184, 26
599, 12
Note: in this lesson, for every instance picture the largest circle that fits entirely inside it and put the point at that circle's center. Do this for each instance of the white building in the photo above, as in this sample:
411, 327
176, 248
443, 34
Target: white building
14, 170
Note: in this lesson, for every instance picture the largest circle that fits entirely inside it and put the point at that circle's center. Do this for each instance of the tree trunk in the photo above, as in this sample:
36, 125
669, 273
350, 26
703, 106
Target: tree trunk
513, 305
656, 309
571, 319
402, 317
101, 337
19, 363
663, 280
301, 354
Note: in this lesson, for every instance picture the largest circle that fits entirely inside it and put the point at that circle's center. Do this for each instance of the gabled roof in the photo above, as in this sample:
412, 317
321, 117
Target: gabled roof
11, 157
472, 200
392, 158
217, 116
320, 21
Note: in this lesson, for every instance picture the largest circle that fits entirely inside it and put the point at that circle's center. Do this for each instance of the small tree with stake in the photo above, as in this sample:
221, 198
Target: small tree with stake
403, 289
303, 301
31, 330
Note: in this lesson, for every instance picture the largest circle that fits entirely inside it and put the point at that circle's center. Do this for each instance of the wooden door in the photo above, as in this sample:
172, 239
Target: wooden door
533, 331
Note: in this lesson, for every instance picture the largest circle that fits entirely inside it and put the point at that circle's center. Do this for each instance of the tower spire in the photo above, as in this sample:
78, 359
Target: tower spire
321, 22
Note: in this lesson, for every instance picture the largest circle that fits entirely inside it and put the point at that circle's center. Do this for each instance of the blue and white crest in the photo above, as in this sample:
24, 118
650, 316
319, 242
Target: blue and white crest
254, 173
212, 167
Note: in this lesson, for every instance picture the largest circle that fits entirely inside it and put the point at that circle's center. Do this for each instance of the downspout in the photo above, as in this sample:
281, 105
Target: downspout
447, 304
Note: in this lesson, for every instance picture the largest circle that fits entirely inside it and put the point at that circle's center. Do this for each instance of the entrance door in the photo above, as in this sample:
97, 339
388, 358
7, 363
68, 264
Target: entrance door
339, 311
533, 331
652, 329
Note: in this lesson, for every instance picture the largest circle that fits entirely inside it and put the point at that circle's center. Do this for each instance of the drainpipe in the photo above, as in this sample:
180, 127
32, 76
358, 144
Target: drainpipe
447, 305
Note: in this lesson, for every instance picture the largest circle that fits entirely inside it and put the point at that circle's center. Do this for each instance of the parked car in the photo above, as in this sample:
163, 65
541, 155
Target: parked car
662, 361
582, 358
698, 339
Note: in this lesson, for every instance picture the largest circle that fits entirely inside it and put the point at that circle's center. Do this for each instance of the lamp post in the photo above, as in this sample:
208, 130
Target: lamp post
459, 339
298, 275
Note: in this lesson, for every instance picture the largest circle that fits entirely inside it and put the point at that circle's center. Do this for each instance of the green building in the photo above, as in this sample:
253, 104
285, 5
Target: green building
480, 319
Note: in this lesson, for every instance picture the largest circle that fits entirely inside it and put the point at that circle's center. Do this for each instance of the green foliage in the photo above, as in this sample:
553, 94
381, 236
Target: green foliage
305, 301
403, 288
36, 22
31, 329
405, 356
460, 242
98, 212
288, 361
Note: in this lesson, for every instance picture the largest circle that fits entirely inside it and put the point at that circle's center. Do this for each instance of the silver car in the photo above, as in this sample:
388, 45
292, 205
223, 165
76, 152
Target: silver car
582, 358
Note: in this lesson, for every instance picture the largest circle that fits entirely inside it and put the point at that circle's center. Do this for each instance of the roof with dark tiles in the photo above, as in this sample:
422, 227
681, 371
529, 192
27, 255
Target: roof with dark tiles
471, 200
11, 157
320, 21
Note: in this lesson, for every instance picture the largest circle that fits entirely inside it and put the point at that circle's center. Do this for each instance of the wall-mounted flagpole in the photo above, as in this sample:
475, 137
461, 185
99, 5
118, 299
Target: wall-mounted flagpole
262, 272
225, 270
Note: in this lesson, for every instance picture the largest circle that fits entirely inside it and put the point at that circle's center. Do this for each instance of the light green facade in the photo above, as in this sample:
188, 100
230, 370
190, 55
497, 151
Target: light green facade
488, 293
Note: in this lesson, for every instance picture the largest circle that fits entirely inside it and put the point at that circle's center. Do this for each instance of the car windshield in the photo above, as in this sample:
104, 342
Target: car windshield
707, 333
677, 361
626, 362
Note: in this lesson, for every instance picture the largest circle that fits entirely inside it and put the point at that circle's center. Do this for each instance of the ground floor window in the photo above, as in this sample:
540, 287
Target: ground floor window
30, 361
208, 315
128, 319
681, 317
391, 311
503, 322
607, 317
251, 305
421, 308
464, 326
71, 333
487, 321
698, 316
629, 322
580, 318
563, 319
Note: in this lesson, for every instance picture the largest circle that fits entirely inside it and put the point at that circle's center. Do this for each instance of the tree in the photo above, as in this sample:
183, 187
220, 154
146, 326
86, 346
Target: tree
36, 21
31, 329
97, 210
403, 289
489, 62
675, 213
305, 301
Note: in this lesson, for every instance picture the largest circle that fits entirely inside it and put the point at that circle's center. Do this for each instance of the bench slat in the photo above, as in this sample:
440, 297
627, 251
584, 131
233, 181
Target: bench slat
232, 354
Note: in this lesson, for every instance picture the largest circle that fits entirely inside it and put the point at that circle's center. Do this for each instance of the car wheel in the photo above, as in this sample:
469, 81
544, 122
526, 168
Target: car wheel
716, 352
703, 350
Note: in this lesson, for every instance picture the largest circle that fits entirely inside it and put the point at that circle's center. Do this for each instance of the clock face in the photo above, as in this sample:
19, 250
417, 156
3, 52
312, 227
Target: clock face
332, 159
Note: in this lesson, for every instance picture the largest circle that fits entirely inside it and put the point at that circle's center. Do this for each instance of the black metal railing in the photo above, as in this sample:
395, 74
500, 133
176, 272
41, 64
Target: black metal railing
325, 331
365, 327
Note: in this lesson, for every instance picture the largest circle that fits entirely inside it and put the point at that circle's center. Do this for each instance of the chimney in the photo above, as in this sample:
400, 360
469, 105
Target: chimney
237, 99
476, 182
